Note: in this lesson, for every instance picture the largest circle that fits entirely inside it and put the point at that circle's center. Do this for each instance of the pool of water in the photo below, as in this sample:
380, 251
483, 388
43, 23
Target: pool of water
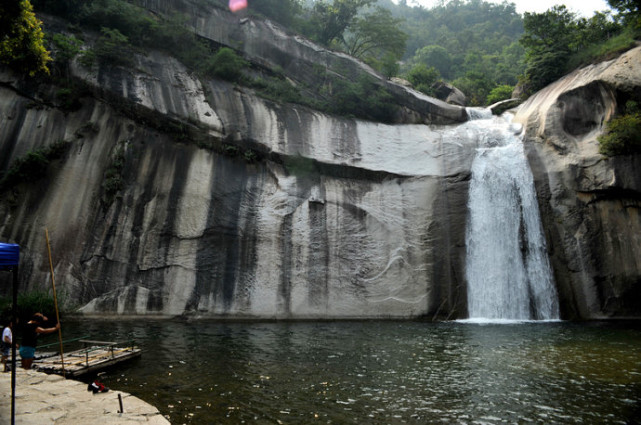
377, 372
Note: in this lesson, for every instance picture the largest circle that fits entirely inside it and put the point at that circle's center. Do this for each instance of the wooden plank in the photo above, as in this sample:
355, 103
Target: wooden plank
103, 365
109, 343
88, 360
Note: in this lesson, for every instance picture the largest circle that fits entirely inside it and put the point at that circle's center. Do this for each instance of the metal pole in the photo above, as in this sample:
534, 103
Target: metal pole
55, 302
14, 313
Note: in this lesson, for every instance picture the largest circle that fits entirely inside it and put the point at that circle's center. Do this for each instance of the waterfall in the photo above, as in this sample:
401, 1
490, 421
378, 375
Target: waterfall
507, 270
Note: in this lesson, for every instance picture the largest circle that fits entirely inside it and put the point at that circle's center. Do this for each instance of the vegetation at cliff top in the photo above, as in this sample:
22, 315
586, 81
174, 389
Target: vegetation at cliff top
126, 28
556, 42
21, 38
480, 47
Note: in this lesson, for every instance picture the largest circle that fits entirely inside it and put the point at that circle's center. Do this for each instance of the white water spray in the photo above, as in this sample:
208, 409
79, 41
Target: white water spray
508, 271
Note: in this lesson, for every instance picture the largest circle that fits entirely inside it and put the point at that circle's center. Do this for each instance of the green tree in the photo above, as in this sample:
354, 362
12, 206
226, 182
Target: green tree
365, 99
476, 86
114, 47
599, 27
33, 165
63, 8
388, 65
227, 64
511, 64
423, 77
550, 37
375, 35
66, 47
458, 37
499, 93
22, 38
127, 18
435, 56
285, 12
329, 21
630, 10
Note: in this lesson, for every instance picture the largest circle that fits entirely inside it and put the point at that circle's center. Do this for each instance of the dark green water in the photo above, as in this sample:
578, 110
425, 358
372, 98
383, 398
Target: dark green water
381, 372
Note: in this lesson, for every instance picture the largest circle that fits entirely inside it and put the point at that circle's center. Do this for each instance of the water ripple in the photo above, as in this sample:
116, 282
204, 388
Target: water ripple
382, 372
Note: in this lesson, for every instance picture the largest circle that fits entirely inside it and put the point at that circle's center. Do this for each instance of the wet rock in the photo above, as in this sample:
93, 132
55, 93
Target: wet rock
504, 105
45, 399
449, 93
589, 203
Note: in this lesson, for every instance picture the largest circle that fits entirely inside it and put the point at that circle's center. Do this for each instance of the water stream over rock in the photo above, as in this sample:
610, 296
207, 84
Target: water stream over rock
508, 272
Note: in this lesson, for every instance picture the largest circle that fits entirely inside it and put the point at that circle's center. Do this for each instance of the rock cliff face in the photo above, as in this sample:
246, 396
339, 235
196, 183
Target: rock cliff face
268, 45
340, 218
180, 196
589, 203
229, 205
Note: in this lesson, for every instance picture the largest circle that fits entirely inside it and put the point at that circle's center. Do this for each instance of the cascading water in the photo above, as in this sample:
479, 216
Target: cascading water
508, 272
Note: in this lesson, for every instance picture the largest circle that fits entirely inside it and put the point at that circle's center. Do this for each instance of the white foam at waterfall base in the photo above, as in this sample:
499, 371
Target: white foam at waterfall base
485, 321
478, 113
507, 269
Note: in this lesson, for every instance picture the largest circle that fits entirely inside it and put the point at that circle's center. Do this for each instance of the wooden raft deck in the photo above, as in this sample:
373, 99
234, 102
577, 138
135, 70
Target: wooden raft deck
96, 356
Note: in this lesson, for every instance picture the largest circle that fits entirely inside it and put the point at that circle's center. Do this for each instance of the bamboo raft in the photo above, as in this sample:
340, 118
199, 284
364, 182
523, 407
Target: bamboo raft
94, 357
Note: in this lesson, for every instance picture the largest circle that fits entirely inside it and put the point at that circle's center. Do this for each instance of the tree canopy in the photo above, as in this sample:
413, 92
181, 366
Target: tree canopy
557, 41
549, 39
473, 44
374, 35
480, 47
330, 20
21, 38
630, 10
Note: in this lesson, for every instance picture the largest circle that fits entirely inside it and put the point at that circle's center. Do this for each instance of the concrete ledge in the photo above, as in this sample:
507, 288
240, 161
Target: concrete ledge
51, 399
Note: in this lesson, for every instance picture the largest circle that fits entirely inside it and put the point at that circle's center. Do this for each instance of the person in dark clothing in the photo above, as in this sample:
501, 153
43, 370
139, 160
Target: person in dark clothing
5, 344
32, 329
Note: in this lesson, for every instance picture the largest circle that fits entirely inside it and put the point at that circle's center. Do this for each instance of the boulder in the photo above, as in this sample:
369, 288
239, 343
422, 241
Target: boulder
589, 203
502, 106
449, 94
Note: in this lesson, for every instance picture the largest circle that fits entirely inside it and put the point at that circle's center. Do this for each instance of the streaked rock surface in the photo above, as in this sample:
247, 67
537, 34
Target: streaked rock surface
338, 218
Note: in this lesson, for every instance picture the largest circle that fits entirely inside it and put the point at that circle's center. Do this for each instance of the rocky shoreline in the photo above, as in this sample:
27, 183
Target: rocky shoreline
51, 399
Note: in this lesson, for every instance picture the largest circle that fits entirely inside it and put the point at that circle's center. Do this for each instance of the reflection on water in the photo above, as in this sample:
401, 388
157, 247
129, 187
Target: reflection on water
381, 372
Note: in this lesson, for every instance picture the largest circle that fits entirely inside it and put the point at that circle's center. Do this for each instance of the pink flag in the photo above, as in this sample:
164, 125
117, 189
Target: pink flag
236, 5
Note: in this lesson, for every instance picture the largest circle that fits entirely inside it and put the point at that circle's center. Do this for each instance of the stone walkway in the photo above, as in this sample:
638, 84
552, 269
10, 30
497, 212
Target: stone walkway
50, 399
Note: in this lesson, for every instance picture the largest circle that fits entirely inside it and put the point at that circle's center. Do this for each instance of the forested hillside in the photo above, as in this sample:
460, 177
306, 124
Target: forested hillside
485, 49
473, 44
482, 48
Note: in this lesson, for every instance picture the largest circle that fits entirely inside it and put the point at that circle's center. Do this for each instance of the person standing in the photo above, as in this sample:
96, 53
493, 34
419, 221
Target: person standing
32, 330
5, 346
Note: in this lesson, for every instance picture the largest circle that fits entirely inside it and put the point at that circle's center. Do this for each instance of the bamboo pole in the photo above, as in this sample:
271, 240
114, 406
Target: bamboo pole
55, 302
